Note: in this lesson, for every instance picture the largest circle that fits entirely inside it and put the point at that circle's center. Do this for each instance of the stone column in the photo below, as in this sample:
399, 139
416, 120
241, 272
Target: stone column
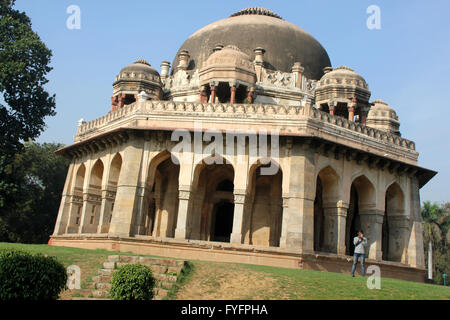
64, 208
415, 241
105, 210
125, 207
233, 92
335, 216
351, 110
299, 218
332, 106
212, 85
398, 235
156, 223
284, 222
239, 202
203, 96
184, 197
372, 223
251, 95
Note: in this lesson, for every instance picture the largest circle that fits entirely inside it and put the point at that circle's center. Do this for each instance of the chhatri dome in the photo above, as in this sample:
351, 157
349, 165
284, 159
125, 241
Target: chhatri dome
283, 158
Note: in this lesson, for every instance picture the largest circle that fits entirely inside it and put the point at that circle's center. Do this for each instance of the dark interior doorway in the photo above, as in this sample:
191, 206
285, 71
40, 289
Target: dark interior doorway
353, 220
222, 224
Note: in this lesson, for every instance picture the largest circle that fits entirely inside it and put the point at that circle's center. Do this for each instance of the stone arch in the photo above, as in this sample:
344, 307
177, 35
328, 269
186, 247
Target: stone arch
97, 175
325, 210
395, 225
263, 208
159, 216
76, 203
212, 208
94, 199
362, 201
109, 199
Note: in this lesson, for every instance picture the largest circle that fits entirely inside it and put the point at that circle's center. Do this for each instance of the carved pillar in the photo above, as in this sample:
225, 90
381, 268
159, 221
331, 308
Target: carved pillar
64, 209
157, 219
372, 223
212, 86
335, 216
126, 201
239, 202
181, 232
398, 237
203, 95
363, 117
351, 110
233, 92
250, 95
284, 222
331, 107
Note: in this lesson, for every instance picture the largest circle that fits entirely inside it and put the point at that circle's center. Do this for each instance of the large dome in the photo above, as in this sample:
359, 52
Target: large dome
284, 42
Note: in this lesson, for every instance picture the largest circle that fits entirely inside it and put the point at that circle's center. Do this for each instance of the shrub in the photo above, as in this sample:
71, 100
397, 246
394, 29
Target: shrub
24, 276
132, 282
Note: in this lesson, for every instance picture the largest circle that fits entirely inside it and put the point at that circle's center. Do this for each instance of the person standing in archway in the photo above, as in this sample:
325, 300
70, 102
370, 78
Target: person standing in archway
360, 242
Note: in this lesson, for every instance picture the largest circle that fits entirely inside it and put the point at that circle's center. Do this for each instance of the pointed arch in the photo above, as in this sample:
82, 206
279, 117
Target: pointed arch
395, 226
263, 209
327, 196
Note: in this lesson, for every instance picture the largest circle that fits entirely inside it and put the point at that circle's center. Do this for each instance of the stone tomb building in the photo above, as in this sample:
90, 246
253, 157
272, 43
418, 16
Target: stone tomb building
340, 161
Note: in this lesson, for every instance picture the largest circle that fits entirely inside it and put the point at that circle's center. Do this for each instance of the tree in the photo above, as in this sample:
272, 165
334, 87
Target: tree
40, 176
24, 103
436, 230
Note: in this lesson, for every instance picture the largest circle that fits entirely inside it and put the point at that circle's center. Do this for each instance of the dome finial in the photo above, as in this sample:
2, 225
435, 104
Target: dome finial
256, 11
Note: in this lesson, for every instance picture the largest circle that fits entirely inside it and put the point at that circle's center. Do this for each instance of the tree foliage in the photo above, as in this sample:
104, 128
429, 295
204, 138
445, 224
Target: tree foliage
24, 102
436, 229
30, 216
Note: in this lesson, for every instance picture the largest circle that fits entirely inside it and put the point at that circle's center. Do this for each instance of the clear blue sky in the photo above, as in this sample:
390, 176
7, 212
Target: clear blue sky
406, 63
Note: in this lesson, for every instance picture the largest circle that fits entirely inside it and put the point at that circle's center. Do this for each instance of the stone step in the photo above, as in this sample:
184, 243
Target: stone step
103, 286
159, 292
109, 265
84, 292
105, 272
165, 277
100, 293
166, 284
102, 278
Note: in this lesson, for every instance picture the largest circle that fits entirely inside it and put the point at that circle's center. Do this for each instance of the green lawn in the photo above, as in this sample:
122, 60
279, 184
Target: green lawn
216, 280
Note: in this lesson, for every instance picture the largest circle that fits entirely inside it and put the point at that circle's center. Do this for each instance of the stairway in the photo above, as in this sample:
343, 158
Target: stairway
165, 272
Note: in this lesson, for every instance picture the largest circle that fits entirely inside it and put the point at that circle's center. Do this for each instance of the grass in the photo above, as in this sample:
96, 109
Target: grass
217, 280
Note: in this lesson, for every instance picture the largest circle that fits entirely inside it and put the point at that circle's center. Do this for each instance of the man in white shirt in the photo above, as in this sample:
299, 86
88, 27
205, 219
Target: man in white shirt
360, 242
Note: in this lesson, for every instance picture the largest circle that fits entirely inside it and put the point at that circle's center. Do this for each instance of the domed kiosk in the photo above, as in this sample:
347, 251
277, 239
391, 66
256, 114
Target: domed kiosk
252, 149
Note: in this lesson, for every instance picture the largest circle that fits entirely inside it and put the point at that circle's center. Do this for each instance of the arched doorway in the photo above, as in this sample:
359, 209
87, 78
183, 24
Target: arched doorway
108, 205
263, 210
394, 225
93, 202
362, 202
353, 222
159, 213
212, 208
76, 205
222, 221
326, 219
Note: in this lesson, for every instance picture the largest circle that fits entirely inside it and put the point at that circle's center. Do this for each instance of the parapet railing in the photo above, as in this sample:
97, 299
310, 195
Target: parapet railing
242, 111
